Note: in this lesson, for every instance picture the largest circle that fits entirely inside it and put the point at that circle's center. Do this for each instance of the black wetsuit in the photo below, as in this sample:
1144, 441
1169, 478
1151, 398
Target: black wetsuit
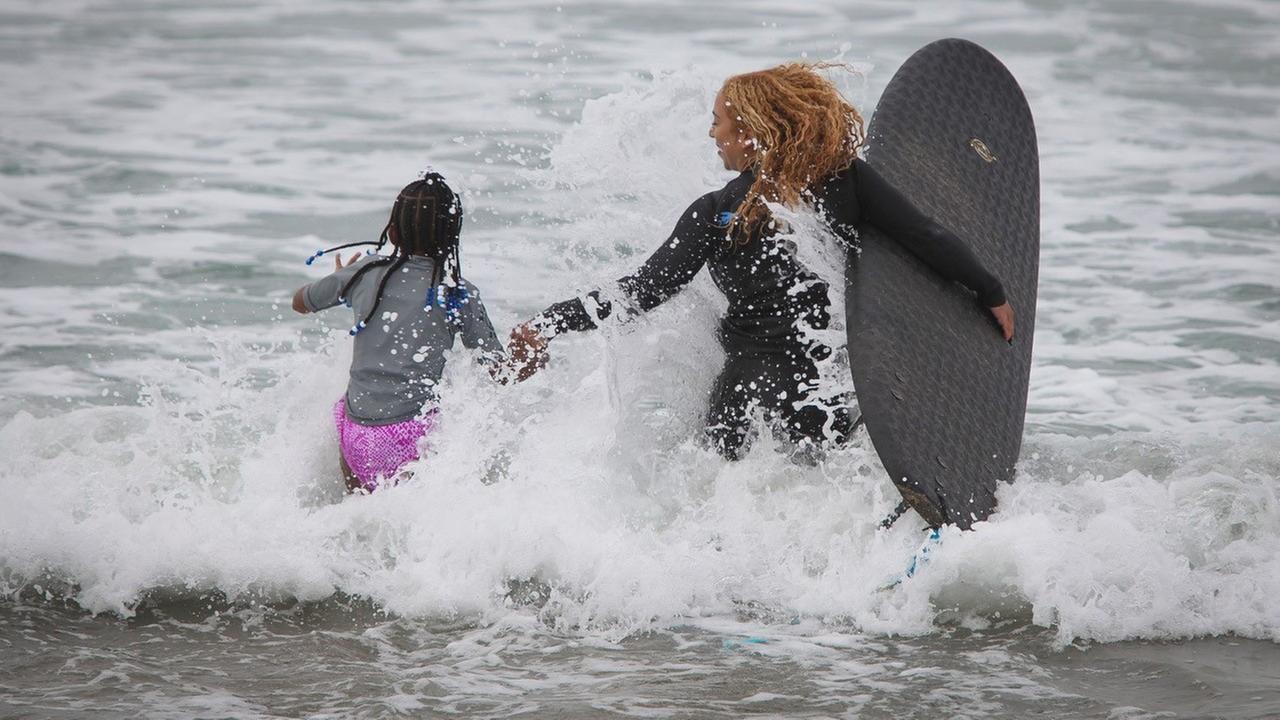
772, 296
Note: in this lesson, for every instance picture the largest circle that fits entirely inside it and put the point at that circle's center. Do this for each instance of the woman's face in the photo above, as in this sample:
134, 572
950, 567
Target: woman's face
733, 140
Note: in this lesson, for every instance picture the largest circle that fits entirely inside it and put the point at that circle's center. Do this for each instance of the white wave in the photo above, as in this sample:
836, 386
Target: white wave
1146, 502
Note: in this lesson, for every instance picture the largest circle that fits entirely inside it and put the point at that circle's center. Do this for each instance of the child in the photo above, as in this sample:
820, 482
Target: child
408, 306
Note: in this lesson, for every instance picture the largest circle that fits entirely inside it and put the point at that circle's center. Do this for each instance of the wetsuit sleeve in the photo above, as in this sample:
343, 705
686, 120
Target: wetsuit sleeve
323, 293
885, 207
691, 244
477, 330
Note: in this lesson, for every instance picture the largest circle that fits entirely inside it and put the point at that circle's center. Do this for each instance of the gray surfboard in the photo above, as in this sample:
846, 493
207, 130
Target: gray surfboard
942, 394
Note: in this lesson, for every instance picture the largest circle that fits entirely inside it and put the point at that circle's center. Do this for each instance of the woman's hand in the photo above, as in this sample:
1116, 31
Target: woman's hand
1004, 318
527, 349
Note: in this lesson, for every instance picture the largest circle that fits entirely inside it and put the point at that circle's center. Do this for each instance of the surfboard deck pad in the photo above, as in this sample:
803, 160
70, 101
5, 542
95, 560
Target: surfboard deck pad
943, 395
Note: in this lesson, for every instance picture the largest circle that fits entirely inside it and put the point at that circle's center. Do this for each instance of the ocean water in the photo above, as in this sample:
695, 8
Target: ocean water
173, 538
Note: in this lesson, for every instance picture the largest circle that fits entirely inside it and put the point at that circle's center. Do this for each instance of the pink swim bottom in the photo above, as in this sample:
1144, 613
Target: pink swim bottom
375, 453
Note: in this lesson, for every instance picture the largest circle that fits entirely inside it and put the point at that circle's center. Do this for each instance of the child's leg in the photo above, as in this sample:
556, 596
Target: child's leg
353, 482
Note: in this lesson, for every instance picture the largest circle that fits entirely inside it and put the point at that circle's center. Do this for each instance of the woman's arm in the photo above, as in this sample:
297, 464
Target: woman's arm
885, 207
671, 267
667, 270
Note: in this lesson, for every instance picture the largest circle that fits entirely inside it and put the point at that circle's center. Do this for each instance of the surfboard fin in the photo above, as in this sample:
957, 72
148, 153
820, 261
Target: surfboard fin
931, 513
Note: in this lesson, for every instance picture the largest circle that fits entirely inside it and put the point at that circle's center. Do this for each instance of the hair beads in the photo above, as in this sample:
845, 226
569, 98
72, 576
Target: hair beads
426, 220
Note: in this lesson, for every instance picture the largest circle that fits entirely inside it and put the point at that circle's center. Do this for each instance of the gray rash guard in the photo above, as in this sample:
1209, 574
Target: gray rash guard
399, 356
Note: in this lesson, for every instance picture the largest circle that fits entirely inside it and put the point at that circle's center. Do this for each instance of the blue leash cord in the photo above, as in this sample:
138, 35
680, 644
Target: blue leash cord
918, 560
922, 555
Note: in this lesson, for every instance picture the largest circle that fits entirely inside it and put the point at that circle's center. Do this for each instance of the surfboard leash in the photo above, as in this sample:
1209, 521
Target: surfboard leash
918, 560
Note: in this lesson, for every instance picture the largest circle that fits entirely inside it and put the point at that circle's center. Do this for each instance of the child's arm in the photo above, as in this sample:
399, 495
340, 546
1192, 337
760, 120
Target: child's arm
478, 332
300, 305
300, 297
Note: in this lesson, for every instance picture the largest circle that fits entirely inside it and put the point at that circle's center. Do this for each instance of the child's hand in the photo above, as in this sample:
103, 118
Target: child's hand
299, 303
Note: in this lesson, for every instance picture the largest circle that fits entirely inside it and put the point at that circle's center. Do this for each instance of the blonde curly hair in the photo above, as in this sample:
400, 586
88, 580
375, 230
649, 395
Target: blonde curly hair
804, 132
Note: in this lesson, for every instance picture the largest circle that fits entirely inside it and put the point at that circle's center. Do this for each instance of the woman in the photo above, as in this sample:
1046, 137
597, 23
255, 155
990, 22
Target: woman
794, 140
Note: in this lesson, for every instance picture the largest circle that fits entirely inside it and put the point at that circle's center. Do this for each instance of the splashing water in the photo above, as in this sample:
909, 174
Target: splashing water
170, 458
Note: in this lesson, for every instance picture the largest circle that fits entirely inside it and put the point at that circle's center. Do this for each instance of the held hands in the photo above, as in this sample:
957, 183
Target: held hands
527, 350
1004, 318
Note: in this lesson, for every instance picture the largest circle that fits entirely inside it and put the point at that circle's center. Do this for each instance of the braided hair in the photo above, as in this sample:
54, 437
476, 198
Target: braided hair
426, 219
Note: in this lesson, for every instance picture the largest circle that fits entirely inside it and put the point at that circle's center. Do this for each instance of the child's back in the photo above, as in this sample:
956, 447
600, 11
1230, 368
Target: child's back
399, 356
